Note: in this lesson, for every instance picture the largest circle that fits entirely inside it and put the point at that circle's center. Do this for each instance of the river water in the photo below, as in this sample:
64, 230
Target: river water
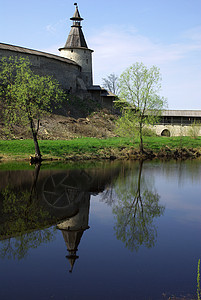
119, 230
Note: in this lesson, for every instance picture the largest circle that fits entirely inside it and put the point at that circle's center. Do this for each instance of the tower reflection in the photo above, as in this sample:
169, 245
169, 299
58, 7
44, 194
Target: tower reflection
74, 227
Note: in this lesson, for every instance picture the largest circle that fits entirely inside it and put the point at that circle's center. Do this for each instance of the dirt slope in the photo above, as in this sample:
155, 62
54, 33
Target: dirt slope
76, 118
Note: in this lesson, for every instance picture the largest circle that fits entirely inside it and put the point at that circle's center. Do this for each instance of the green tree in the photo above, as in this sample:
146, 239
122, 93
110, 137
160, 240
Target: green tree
137, 207
25, 96
139, 99
194, 129
111, 83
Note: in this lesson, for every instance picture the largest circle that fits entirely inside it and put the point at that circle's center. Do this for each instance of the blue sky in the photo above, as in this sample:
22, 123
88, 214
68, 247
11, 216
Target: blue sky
158, 32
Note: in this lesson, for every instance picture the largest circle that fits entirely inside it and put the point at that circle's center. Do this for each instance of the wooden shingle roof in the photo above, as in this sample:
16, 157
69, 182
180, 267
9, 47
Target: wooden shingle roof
76, 38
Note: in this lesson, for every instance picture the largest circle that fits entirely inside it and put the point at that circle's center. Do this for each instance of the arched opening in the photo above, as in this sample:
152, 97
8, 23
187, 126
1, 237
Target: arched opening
165, 132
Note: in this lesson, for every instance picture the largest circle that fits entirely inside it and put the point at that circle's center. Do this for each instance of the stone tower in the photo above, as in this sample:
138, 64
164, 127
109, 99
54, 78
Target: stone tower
77, 50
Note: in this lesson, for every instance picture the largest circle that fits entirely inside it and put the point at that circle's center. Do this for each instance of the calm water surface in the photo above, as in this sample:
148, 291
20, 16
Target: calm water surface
100, 231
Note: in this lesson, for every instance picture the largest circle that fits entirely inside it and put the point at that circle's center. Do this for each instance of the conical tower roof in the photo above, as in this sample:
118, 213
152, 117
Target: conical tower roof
72, 238
76, 38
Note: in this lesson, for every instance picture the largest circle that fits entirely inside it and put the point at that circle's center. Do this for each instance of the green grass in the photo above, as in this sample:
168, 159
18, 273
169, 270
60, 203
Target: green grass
61, 148
156, 143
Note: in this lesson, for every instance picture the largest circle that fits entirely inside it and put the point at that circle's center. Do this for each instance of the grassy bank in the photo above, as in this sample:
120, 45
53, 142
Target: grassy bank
87, 148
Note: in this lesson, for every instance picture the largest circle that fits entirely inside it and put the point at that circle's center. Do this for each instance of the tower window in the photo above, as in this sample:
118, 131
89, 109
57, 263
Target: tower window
72, 50
87, 61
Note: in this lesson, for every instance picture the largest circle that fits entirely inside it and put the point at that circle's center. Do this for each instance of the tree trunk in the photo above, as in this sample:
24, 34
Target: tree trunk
38, 156
141, 140
139, 179
33, 188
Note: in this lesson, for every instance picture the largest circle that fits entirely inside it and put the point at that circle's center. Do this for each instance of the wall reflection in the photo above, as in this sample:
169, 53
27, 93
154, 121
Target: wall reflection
32, 201
34, 204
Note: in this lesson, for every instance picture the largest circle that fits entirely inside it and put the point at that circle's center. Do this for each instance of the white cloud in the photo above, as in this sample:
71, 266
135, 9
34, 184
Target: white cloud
56, 27
193, 34
50, 28
53, 49
116, 48
121, 48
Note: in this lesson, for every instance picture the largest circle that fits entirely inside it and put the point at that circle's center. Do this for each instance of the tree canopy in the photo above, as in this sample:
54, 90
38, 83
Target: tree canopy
111, 83
25, 96
139, 99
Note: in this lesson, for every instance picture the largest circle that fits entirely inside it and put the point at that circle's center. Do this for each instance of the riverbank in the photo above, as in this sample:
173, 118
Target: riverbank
94, 148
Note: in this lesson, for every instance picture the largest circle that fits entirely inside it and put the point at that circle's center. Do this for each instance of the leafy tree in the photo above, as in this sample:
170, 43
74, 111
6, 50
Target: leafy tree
194, 129
137, 207
140, 102
111, 83
25, 96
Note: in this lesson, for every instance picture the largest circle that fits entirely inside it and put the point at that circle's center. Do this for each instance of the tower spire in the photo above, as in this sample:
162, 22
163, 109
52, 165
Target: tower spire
76, 36
76, 15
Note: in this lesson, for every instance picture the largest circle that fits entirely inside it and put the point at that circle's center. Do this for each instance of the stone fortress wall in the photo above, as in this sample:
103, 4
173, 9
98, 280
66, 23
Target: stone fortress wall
67, 72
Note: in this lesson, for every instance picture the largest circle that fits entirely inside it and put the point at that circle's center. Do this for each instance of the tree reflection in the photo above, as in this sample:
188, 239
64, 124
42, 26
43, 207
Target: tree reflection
135, 211
23, 218
18, 247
